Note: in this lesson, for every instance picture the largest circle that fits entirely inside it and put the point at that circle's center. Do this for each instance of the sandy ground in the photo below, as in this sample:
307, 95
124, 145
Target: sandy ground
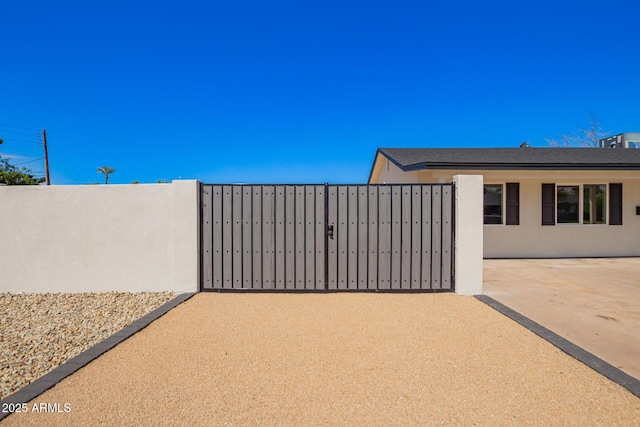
335, 359
594, 303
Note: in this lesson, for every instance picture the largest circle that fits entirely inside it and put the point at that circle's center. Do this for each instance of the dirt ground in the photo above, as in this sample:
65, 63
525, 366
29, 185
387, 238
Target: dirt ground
334, 359
592, 302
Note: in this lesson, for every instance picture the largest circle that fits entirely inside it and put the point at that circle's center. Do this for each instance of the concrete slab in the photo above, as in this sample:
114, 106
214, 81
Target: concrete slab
592, 302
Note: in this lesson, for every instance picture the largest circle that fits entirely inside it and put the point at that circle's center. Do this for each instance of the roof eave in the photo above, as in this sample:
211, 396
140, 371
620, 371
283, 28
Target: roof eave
519, 166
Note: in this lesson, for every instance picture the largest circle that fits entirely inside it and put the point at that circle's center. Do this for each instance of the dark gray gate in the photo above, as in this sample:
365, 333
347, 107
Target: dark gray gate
327, 237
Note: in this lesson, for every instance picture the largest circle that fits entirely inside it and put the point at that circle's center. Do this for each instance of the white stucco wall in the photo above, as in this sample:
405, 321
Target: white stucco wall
99, 238
468, 234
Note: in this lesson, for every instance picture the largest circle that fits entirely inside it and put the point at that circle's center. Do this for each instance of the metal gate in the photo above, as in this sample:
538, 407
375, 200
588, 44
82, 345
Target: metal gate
327, 237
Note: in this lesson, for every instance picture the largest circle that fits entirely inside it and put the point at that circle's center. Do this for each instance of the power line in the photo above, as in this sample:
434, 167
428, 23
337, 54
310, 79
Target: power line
30, 161
22, 140
19, 127
19, 133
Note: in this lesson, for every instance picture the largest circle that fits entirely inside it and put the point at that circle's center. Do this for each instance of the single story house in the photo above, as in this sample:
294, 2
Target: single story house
538, 202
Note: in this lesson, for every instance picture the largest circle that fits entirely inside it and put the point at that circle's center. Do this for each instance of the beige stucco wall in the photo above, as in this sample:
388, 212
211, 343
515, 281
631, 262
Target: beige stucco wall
99, 238
530, 238
385, 172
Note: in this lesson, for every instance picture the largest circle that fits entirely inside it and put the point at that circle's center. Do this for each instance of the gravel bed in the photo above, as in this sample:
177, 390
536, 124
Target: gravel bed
39, 332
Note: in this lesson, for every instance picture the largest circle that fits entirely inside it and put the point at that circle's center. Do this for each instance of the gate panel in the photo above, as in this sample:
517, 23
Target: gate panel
247, 237
425, 281
320, 237
447, 237
416, 236
384, 238
290, 238
373, 255
363, 236
276, 237
436, 237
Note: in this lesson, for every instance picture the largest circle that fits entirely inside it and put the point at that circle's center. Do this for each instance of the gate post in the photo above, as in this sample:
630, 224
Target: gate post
468, 234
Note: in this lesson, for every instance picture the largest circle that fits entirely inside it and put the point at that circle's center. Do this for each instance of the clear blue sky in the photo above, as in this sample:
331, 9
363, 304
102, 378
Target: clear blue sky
296, 91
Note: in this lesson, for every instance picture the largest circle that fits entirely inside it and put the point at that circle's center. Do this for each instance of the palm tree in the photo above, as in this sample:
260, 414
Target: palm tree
106, 170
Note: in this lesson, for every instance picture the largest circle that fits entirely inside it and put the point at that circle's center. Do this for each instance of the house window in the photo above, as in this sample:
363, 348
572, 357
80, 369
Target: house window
493, 204
568, 204
581, 204
594, 204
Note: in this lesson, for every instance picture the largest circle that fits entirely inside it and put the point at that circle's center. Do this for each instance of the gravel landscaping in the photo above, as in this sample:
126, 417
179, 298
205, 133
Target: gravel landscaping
39, 332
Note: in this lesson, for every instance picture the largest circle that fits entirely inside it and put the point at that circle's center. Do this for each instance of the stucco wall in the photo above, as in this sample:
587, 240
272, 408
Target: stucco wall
532, 240
99, 238
385, 172
468, 234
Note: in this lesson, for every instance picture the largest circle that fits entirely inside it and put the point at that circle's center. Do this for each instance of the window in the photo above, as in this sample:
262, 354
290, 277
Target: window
581, 204
568, 204
493, 204
594, 204
494, 201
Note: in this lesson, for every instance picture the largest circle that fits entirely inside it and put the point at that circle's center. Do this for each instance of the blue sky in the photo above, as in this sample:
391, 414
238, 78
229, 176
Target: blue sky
297, 92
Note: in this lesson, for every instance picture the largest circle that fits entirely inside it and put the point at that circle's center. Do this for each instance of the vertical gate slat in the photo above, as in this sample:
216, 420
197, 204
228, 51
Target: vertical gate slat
247, 249
447, 203
332, 249
436, 238
352, 245
227, 237
396, 230
342, 235
217, 236
256, 224
416, 235
310, 237
207, 236
319, 238
290, 238
425, 281
236, 225
384, 242
406, 239
373, 237
268, 244
363, 236
300, 237
279, 236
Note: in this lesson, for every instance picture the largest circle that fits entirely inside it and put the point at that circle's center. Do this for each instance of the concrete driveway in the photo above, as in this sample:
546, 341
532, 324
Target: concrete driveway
592, 302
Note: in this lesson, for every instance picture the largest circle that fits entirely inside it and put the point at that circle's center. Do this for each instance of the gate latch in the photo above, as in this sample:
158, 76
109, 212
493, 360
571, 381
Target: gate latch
330, 231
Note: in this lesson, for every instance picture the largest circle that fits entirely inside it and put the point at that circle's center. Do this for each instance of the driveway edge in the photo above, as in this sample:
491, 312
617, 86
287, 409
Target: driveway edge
45, 382
602, 367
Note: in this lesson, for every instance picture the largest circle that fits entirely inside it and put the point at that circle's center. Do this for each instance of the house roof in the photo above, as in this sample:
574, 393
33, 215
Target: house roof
411, 159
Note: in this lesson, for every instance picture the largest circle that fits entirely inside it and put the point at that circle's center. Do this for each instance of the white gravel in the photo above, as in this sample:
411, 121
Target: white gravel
39, 332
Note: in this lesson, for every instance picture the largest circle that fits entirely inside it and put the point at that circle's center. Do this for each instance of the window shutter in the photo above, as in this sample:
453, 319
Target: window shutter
548, 204
615, 204
513, 203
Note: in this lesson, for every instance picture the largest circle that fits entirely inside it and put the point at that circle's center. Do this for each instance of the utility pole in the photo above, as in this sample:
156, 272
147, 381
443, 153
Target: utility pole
46, 156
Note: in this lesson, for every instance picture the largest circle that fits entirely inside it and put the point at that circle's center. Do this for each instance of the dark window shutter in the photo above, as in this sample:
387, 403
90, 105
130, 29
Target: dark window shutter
513, 203
548, 204
615, 204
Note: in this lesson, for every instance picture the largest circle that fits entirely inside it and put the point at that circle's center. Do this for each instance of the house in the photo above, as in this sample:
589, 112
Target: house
622, 140
538, 202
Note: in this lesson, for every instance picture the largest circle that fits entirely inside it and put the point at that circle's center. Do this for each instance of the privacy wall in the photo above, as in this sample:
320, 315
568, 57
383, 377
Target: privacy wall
97, 238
